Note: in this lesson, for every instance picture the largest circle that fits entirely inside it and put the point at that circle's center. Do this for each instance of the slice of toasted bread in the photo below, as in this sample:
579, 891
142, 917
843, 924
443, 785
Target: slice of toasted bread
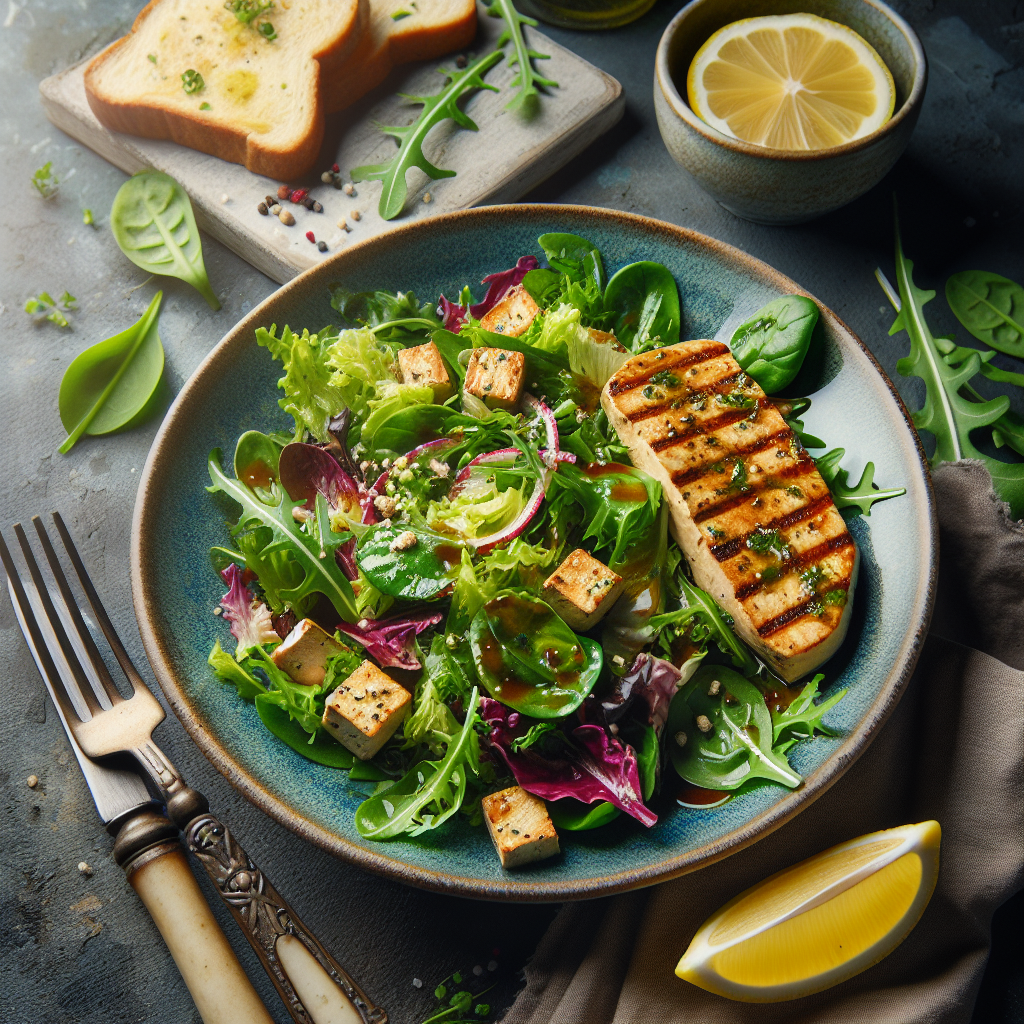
257, 101
397, 32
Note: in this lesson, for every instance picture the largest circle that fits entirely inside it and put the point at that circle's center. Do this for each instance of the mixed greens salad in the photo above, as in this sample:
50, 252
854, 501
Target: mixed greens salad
420, 532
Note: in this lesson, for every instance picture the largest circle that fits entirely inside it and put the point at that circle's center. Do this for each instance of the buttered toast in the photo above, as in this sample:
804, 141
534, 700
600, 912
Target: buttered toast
241, 81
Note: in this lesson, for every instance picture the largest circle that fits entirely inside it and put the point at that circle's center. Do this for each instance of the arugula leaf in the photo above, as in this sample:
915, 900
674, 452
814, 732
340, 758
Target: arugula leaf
527, 79
111, 385
863, 494
991, 307
153, 223
440, 107
45, 182
317, 569
803, 718
948, 415
429, 793
955, 354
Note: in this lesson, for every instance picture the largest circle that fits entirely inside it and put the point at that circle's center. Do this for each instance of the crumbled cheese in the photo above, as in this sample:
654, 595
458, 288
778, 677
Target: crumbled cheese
680, 738
714, 688
704, 723
404, 541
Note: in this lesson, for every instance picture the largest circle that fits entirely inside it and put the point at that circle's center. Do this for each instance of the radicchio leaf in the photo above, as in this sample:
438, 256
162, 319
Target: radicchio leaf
498, 286
307, 470
594, 766
251, 623
650, 681
337, 430
390, 641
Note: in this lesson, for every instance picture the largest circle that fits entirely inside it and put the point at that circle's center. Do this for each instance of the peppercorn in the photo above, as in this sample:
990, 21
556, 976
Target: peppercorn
316, 207
263, 209
336, 168
460, 61
276, 209
322, 246
299, 195
308, 202
326, 177
284, 192
337, 181
269, 200
286, 218
311, 236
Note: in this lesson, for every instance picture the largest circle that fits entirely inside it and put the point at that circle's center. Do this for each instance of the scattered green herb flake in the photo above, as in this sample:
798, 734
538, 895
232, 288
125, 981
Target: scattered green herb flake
87, 218
794, 491
266, 29
400, 14
738, 479
247, 11
666, 379
45, 181
151, 57
767, 542
737, 400
52, 310
813, 578
192, 81
837, 597
205, 106
716, 533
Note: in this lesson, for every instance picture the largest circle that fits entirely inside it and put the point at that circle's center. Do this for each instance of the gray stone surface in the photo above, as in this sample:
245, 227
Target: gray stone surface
80, 948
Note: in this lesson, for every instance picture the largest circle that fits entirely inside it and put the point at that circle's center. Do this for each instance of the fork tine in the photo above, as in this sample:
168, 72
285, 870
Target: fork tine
81, 680
131, 673
102, 673
54, 678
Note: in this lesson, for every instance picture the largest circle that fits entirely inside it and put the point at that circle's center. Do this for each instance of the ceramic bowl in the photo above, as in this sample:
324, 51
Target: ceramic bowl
774, 186
176, 521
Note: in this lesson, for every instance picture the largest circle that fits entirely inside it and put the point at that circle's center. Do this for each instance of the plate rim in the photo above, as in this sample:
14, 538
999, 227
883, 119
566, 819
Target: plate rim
512, 888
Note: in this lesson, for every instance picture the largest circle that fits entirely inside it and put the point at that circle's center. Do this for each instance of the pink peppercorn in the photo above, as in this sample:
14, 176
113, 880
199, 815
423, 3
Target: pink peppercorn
311, 236
336, 168
298, 195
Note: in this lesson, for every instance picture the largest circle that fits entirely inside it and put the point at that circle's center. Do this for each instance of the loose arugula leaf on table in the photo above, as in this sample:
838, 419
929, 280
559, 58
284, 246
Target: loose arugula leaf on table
947, 414
45, 182
441, 107
955, 354
721, 736
861, 495
772, 344
645, 300
153, 223
527, 78
315, 569
429, 793
803, 718
109, 386
991, 307
54, 309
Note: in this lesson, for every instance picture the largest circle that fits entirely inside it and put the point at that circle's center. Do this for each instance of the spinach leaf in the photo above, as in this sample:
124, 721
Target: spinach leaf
772, 344
322, 747
529, 659
440, 107
861, 495
573, 256
256, 461
527, 79
543, 286
803, 718
153, 223
645, 300
113, 384
720, 733
990, 307
429, 793
575, 816
415, 425
310, 561
450, 346
418, 572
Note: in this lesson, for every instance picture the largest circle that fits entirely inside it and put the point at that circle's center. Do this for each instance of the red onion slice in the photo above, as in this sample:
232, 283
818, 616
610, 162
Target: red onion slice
537, 406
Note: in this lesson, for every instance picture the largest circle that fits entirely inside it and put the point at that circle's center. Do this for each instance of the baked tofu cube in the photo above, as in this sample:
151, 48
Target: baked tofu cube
496, 376
364, 711
520, 827
582, 589
304, 653
513, 315
424, 365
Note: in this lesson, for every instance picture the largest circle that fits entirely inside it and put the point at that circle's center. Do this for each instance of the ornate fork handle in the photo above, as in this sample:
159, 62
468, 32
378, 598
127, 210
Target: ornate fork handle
306, 969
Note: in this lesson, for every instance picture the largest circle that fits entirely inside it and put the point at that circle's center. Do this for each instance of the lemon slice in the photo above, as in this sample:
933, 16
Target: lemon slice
790, 81
819, 922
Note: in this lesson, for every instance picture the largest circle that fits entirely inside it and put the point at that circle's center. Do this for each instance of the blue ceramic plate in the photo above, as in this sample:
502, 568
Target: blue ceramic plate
234, 390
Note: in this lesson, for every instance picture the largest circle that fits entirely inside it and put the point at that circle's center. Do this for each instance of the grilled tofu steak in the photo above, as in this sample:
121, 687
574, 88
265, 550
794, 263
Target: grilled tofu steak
748, 507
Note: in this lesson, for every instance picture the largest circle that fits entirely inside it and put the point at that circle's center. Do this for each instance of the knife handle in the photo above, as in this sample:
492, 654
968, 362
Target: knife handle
314, 987
152, 856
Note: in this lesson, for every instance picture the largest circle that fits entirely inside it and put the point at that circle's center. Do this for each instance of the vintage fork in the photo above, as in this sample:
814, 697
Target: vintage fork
314, 987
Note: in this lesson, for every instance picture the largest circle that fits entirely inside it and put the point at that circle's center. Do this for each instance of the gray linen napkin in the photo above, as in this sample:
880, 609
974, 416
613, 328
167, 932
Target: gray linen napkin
953, 750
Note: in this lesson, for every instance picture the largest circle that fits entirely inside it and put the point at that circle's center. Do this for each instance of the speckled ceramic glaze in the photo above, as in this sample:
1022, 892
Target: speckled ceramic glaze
774, 186
176, 521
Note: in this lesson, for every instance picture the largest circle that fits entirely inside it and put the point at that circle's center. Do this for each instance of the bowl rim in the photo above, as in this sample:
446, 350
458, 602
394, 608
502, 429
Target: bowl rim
158, 645
664, 82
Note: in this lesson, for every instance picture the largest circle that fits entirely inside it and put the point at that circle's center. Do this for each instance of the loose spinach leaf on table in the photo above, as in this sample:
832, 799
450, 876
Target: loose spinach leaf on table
109, 386
527, 79
772, 344
991, 307
440, 107
720, 736
645, 300
153, 223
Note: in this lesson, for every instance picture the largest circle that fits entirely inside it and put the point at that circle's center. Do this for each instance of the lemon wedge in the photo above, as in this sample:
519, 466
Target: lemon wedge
790, 81
819, 922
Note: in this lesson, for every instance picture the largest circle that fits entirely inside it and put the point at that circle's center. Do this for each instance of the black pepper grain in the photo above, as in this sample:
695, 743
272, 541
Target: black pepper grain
322, 246
264, 209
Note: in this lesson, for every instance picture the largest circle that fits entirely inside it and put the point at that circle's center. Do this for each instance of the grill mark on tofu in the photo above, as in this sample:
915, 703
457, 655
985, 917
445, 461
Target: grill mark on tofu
800, 562
725, 419
684, 360
676, 398
681, 477
794, 612
732, 547
794, 471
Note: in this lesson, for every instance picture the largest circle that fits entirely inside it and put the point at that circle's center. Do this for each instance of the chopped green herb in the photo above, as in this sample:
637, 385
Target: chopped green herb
813, 578
665, 379
836, 597
738, 480
715, 532
266, 30
400, 14
246, 11
768, 542
794, 491
45, 181
87, 218
736, 400
54, 310
192, 81
205, 106
151, 57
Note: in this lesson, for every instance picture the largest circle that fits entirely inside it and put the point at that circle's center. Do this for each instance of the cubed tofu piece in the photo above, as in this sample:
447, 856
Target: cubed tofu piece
304, 653
582, 589
495, 375
365, 710
520, 827
423, 365
513, 315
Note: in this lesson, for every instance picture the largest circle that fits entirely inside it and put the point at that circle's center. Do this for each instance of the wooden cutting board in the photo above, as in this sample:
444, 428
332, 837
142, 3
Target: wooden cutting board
500, 163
